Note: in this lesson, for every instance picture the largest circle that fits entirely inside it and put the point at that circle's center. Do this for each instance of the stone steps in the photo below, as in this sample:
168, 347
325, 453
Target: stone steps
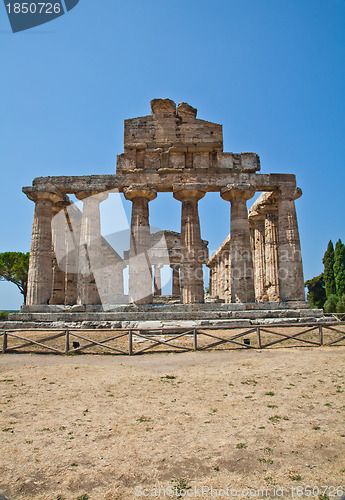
166, 316
162, 316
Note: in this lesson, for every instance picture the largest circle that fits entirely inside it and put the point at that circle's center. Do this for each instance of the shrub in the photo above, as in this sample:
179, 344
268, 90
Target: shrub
341, 304
331, 304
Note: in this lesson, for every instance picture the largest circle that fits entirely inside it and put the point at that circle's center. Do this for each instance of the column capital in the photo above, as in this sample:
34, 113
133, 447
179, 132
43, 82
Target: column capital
182, 194
137, 191
254, 216
237, 192
96, 195
290, 192
53, 195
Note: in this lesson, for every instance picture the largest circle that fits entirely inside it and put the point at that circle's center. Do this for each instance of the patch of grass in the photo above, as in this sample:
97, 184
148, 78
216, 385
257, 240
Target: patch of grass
268, 450
62, 428
328, 404
85, 412
269, 393
74, 465
216, 469
181, 486
249, 382
272, 406
265, 461
83, 497
4, 315
241, 446
323, 497
262, 427
316, 428
295, 478
7, 429
168, 377
46, 429
275, 419
143, 419
213, 410
7, 380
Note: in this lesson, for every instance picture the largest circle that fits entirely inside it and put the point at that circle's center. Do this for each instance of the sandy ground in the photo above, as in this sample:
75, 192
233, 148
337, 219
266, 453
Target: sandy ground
106, 427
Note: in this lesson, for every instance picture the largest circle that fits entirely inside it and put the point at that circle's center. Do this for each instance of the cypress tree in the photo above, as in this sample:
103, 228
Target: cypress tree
328, 275
339, 268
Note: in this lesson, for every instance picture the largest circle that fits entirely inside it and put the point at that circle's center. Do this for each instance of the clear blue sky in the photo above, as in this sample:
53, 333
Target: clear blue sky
271, 71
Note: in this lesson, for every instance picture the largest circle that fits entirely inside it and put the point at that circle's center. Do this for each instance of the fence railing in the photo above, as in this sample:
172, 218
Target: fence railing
137, 341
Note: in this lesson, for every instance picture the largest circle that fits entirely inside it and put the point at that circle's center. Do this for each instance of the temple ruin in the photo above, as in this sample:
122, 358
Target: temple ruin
256, 274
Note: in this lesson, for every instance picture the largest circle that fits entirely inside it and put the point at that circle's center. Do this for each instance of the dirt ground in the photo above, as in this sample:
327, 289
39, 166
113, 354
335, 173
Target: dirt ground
226, 424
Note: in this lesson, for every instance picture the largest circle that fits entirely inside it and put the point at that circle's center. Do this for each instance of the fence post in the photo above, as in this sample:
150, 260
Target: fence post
321, 334
4, 344
130, 342
259, 336
67, 342
195, 339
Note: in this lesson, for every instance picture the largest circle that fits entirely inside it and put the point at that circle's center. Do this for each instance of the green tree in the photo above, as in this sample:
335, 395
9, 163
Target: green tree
328, 274
341, 304
339, 268
316, 292
331, 304
14, 267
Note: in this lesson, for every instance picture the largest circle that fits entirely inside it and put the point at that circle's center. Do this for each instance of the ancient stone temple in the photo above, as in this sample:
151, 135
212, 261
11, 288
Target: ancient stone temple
76, 276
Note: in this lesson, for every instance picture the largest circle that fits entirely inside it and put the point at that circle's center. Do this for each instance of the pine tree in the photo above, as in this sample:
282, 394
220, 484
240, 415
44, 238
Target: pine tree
328, 275
339, 268
316, 292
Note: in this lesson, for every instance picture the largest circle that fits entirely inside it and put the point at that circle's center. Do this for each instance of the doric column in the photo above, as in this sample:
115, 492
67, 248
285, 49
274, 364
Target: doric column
73, 220
176, 290
271, 255
211, 284
157, 279
192, 253
290, 260
90, 251
40, 265
258, 249
242, 275
58, 250
140, 270
227, 277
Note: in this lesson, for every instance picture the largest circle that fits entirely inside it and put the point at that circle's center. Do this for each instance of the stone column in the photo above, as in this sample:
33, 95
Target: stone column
140, 271
211, 285
157, 279
90, 251
291, 279
259, 264
192, 254
73, 219
176, 290
227, 277
242, 275
271, 255
58, 249
40, 265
